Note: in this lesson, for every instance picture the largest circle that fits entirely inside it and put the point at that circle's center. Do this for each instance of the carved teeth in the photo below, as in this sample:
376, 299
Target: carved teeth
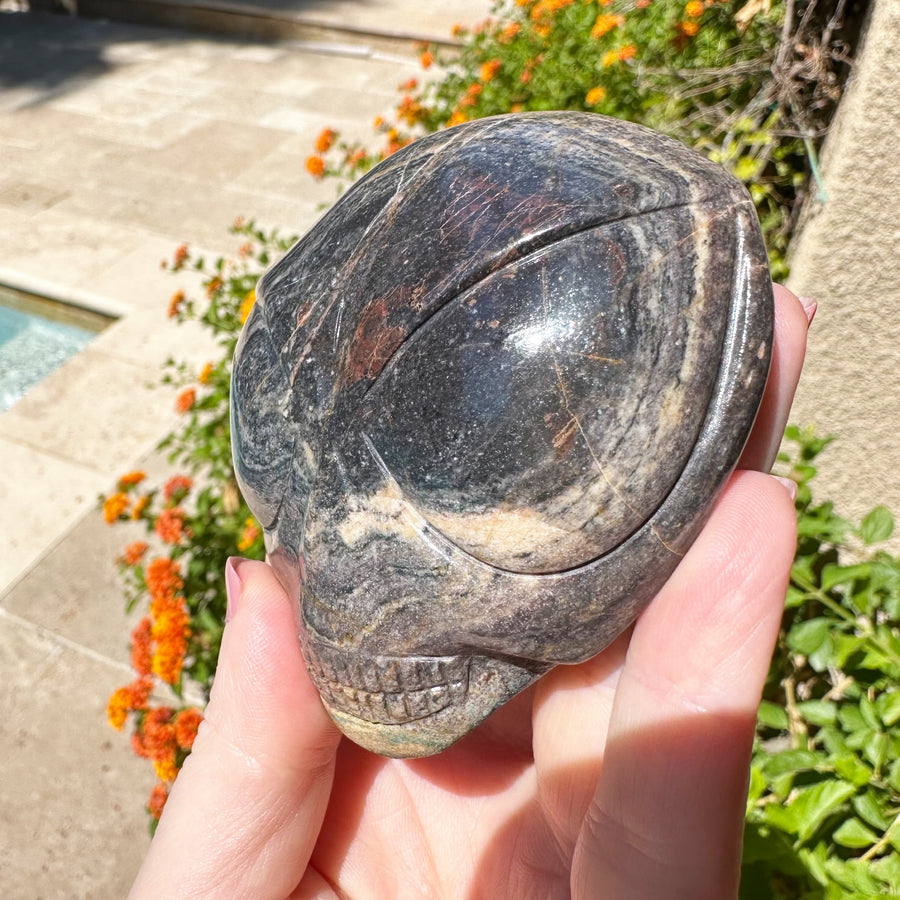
383, 689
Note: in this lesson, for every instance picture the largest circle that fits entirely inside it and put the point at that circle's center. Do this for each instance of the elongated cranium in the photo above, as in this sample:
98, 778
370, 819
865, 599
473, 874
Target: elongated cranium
485, 405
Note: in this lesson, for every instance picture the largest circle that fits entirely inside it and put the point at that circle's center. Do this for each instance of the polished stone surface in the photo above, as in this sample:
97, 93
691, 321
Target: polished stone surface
484, 407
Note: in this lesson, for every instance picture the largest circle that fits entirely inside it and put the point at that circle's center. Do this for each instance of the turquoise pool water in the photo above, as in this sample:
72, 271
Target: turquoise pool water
36, 337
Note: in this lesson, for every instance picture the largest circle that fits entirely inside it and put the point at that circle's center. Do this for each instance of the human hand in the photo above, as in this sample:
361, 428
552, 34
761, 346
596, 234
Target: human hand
622, 777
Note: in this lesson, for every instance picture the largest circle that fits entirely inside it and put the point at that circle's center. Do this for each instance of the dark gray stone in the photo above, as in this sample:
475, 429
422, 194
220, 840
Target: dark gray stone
484, 407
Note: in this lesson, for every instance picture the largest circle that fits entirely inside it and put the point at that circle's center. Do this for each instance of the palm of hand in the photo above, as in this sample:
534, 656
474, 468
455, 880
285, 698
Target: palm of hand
497, 815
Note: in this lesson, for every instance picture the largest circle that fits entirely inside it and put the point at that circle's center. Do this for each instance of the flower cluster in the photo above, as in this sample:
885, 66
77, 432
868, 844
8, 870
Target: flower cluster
193, 524
158, 648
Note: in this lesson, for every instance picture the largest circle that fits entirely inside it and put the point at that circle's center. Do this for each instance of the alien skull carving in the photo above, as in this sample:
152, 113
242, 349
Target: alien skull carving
485, 405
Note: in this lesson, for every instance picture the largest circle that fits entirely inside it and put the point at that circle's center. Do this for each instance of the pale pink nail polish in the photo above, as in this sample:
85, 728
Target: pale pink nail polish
809, 307
232, 587
789, 485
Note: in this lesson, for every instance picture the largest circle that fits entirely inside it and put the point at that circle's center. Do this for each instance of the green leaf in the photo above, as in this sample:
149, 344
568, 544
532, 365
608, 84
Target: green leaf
851, 768
791, 761
756, 788
877, 526
851, 718
815, 804
855, 834
868, 809
819, 712
806, 637
869, 713
875, 750
888, 708
834, 574
771, 715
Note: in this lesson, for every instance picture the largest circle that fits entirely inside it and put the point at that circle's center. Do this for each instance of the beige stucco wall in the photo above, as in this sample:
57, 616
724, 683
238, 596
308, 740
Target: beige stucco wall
848, 258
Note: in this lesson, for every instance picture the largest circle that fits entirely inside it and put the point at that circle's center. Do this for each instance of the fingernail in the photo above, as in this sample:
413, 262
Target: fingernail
809, 307
789, 485
232, 586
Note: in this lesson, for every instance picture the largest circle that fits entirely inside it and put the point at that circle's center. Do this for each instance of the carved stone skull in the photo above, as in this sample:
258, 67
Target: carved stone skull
485, 405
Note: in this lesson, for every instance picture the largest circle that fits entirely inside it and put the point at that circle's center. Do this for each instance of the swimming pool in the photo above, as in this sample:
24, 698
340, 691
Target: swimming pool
37, 336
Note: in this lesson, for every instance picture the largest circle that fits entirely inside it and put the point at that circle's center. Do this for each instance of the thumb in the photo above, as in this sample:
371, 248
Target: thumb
246, 810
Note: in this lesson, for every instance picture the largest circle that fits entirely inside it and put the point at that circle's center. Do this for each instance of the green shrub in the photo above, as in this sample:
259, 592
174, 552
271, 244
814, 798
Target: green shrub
822, 814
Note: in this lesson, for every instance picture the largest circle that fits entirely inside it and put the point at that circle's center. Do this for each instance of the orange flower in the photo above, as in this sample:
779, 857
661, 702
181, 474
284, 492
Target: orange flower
156, 735
606, 23
409, 85
177, 485
689, 28
185, 400
509, 32
610, 58
457, 118
134, 552
139, 506
171, 631
131, 478
548, 8
526, 76
457, 30
378, 122
245, 249
205, 373
629, 51
141, 648
409, 109
170, 525
187, 722
114, 507
163, 578
117, 708
165, 769
181, 255
516, 107
595, 95
213, 287
247, 305
249, 534
157, 801
315, 165
125, 699
175, 303
490, 69
694, 9
325, 140
542, 31
426, 59
140, 691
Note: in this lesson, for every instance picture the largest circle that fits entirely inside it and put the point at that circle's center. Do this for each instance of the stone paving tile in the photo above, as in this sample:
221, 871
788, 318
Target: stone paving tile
81, 597
46, 495
214, 152
74, 414
72, 823
56, 246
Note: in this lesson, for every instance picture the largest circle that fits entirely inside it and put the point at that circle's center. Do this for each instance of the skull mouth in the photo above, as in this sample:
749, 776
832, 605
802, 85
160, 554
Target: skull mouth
404, 706
386, 690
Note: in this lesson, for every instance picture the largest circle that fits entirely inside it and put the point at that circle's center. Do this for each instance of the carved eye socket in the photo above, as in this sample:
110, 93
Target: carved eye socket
263, 444
543, 416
